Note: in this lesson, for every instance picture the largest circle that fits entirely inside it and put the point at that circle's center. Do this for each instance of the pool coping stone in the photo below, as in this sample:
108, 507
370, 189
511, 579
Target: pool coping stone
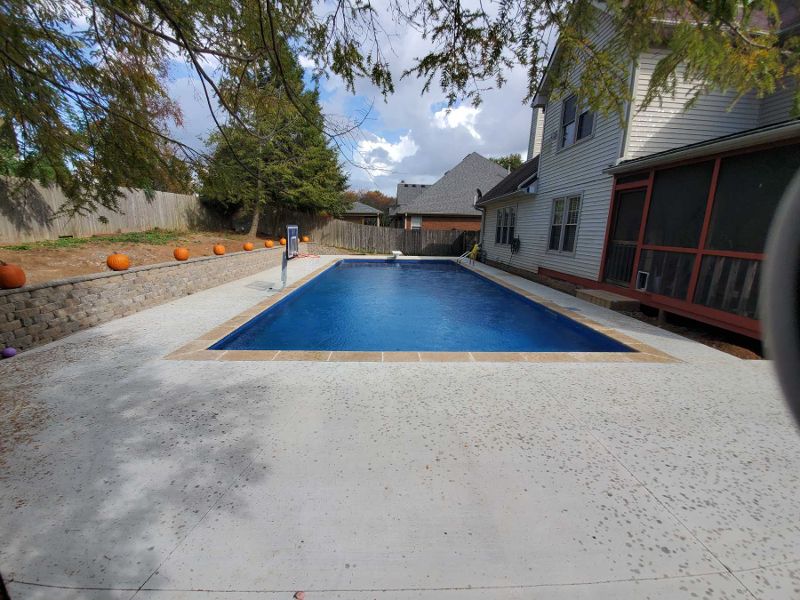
198, 349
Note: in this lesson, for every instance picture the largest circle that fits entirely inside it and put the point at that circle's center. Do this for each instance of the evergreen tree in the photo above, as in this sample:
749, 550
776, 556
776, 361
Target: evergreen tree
83, 93
278, 156
509, 162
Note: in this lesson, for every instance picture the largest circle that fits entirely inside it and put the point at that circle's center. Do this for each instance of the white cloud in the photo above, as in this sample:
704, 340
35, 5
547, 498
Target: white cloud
378, 156
460, 116
306, 62
498, 127
408, 136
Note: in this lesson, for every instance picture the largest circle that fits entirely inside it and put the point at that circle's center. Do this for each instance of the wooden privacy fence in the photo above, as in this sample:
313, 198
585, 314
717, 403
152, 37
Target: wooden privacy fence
29, 213
382, 240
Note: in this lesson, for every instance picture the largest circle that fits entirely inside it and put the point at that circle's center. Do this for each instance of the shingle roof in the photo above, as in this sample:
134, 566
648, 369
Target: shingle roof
526, 171
454, 193
359, 208
406, 192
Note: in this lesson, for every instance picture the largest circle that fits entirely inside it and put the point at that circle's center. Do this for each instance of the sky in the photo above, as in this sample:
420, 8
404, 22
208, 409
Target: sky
409, 136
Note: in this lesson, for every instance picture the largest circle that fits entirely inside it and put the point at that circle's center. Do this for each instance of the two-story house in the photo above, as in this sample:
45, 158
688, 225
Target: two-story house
671, 208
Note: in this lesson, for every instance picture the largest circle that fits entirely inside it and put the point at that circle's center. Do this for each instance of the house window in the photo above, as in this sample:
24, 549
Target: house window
416, 222
577, 122
564, 225
504, 227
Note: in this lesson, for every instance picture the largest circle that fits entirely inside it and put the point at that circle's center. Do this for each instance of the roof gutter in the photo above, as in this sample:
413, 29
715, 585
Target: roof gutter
507, 196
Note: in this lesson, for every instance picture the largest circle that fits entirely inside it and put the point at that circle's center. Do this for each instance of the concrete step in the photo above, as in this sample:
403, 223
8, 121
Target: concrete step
608, 299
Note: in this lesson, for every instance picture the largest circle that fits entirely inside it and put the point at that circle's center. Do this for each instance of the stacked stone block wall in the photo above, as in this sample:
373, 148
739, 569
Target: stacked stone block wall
38, 314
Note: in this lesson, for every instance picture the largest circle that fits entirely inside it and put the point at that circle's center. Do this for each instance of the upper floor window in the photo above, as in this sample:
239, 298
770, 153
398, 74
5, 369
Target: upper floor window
564, 224
504, 227
577, 122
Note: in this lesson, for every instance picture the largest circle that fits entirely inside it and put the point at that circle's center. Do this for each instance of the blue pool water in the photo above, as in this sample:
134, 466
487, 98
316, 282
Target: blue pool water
431, 306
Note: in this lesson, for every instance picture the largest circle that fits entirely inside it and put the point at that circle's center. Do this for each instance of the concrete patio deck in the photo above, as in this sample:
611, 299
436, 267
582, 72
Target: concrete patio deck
136, 476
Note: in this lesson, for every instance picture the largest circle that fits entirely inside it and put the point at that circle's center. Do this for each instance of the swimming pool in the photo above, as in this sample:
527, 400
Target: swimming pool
411, 305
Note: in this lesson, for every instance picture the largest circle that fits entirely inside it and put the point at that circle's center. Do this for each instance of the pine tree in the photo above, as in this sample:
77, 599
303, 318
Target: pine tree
278, 157
509, 162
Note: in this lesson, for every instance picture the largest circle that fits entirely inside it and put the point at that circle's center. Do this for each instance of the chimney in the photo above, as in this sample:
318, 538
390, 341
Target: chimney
537, 128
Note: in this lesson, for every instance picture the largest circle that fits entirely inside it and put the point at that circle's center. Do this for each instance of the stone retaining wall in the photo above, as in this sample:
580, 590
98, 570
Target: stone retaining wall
38, 314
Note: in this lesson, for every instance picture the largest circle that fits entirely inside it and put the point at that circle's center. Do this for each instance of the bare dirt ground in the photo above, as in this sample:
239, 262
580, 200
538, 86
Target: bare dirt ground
44, 262
322, 250
725, 341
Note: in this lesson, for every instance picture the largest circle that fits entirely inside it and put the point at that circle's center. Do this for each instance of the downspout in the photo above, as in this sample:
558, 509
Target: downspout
478, 196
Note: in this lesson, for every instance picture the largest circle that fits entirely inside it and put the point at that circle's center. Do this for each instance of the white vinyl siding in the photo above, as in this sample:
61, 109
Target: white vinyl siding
497, 251
564, 172
578, 170
665, 124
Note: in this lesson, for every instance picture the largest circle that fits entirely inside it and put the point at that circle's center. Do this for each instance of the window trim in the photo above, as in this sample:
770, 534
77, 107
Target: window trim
578, 113
565, 212
503, 228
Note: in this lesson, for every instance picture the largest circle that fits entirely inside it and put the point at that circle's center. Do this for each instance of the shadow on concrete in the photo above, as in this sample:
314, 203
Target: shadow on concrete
126, 465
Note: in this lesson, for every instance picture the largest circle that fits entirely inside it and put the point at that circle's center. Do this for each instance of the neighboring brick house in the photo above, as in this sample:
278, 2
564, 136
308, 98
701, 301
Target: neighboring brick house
670, 208
362, 214
450, 202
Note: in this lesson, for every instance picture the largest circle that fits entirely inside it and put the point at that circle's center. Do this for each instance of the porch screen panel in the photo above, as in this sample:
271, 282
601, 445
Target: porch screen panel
621, 251
729, 284
628, 215
678, 205
670, 272
748, 191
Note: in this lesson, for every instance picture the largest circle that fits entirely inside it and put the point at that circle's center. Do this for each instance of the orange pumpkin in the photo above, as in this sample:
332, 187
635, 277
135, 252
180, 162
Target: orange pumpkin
11, 276
269, 244
306, 239
118, 262
283, 241
181, 253
219, 249
248, 246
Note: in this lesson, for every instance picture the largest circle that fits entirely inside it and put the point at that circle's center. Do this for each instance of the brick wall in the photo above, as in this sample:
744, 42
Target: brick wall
38, 314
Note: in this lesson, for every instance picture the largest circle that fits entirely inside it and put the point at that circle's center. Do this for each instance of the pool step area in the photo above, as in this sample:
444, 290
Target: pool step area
608, 299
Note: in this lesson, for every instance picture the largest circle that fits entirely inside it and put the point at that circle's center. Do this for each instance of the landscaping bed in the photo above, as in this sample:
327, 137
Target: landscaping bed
70, 257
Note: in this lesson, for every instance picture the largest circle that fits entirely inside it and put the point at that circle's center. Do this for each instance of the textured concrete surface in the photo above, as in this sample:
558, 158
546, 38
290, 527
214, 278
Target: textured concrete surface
135, 476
